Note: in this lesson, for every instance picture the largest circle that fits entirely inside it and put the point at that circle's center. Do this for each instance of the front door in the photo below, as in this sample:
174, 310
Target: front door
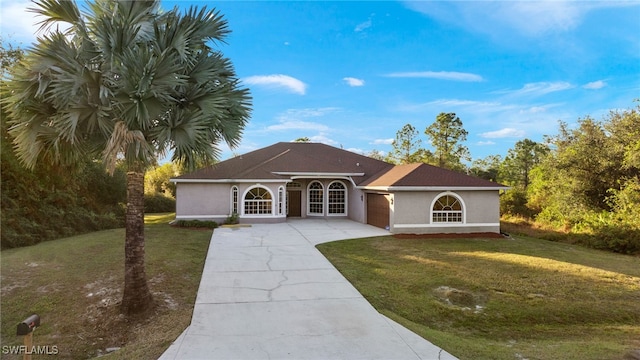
294, 200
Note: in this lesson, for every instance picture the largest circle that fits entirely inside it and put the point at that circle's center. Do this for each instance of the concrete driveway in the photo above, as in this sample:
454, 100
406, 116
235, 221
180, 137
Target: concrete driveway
267, 293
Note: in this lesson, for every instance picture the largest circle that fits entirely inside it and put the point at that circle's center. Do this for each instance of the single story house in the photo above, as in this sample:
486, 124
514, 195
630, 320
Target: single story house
313, 180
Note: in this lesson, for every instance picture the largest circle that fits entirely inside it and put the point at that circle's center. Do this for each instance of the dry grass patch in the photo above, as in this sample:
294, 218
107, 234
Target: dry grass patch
75, 285
500, 298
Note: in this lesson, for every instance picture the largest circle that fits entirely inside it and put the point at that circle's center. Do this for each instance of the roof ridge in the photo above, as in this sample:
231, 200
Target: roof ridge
410, 168
265, 162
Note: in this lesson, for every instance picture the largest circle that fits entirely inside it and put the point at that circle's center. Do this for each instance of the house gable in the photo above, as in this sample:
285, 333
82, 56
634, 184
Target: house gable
425, 176
283, 160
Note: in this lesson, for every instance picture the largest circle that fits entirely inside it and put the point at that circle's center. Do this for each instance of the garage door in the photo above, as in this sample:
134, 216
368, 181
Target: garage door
377, 210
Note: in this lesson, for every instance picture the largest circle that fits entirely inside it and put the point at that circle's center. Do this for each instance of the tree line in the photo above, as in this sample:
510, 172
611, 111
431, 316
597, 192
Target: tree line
583, 182
52, 200
446, 135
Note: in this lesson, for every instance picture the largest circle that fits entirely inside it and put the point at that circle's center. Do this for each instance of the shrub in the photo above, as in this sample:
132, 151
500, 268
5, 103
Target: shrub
514, 202
603, 230
196, 224
158, 203
52, 201
50, 223
232, 219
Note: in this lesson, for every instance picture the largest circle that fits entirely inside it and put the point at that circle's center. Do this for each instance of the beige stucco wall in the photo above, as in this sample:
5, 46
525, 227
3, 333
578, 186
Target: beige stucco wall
203, 201
212, 201
356, 204
411, 212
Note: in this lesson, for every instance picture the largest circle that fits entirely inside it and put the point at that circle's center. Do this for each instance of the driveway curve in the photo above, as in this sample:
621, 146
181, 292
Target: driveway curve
267, 293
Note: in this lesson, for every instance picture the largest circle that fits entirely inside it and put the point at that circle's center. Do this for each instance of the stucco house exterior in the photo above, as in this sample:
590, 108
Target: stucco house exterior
313, 180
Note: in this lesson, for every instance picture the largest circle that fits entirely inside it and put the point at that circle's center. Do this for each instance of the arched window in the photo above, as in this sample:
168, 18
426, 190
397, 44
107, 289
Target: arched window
280, 200
337, 193
234, 200
258, 201
315, 196
447, 209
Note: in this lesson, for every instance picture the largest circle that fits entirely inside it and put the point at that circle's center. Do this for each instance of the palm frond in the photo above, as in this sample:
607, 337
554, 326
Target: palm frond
205, 24
131, 144
55, 11
129, 82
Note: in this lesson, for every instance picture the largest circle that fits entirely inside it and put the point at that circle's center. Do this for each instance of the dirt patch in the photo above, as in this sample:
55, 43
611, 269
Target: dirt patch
106, 329
483, 235
462, 299
8, 288
167, 300
49, 288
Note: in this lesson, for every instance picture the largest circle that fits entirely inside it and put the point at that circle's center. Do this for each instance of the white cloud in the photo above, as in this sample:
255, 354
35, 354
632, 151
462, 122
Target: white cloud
539, 88
356, 150
382, 142
351, 81
485, 143
322, 138
541, 17
278, 81
533, 110
17, 21
442, 75
298, 119
307, 112
538, 109
458, 102
297, 125
19, 24
497, 18
455, 105
363, 26
595, 85
503, 133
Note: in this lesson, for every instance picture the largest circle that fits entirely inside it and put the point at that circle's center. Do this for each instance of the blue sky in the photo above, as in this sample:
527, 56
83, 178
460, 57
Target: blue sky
351, 74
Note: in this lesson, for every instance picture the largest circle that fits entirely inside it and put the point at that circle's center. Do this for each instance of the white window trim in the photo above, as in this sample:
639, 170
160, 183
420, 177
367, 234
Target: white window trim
309, 213
236, 203
273, 202
346, 198
281, 201
452, 194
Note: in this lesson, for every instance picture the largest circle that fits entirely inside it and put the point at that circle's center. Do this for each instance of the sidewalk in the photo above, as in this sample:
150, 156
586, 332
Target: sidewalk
267, 293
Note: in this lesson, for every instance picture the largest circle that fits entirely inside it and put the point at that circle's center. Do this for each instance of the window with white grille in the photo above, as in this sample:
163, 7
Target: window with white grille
315, 198
258, 201
447, 209
337, 202
234, 200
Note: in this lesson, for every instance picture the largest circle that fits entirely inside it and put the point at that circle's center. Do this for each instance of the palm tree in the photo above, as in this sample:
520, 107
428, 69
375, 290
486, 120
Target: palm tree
130, 83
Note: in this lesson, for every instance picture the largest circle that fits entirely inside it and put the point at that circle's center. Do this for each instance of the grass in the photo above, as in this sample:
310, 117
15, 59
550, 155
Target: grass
75, 285
476, 298
500, 298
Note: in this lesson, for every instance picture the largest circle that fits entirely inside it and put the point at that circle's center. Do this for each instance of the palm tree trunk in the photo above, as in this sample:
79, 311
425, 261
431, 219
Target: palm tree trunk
137, 297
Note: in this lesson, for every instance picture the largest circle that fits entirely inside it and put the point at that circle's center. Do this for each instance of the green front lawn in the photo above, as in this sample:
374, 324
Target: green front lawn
75, 285
500, 298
